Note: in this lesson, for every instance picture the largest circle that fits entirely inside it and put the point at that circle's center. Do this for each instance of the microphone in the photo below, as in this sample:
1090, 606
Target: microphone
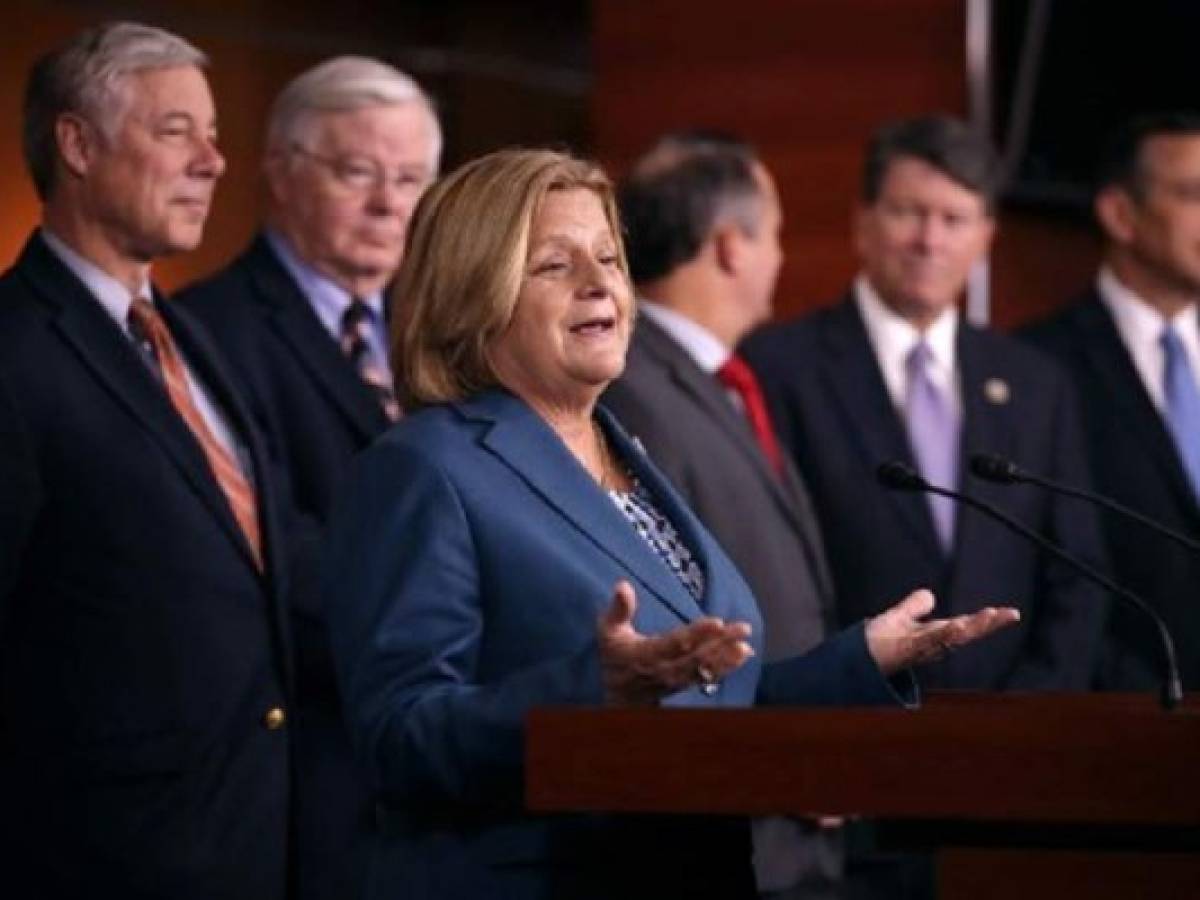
1004, 471
900, 476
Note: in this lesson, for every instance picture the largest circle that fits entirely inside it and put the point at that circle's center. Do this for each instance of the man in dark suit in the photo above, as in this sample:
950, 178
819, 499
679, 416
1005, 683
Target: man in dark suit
301, 315
892, 373
703, 220
144, 675
1133, 344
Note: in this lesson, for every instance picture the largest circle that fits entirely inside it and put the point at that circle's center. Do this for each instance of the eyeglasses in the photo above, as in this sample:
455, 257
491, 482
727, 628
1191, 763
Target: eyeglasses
361, 175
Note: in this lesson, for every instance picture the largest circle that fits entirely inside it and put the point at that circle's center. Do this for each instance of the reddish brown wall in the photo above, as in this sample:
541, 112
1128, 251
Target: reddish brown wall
502, 72
807, 81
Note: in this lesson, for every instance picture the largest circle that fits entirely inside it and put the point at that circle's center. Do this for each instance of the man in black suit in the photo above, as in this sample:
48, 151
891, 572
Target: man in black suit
144, 675
1115, 340
301, 315
703, 221
892, 373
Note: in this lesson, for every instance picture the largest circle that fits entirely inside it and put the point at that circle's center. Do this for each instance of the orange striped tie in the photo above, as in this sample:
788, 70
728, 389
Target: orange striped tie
145, 318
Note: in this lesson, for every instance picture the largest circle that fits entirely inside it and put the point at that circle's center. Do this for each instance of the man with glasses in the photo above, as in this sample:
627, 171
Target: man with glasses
1133, 343
301, 314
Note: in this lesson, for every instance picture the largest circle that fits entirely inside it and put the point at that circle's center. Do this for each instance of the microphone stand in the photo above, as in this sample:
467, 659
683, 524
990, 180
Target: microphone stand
899, 476
1002, 471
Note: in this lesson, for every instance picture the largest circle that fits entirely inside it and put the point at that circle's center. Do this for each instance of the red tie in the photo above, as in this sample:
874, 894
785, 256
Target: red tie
739, 377
230, 478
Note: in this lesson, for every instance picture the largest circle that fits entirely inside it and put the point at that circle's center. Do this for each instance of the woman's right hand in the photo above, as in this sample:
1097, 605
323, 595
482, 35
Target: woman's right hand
639, 670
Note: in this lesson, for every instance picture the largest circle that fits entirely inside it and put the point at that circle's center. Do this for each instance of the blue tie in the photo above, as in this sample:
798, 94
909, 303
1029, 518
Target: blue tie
933, 433
1183, 404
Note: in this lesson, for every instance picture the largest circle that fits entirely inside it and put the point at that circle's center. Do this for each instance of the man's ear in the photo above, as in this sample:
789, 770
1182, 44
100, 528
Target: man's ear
1116, 211
727, 241
275, 166
76, 140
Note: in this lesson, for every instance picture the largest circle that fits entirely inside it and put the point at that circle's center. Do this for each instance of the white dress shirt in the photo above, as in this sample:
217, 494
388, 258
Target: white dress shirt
1141, 326
893, 338
115, 299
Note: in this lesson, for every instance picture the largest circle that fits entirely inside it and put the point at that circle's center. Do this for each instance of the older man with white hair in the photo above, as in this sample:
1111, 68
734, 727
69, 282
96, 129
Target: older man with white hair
301, 314
145, 680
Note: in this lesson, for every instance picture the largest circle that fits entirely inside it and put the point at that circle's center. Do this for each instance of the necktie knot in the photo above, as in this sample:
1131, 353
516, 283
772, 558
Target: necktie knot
356, 328
919, 359
1172, 343
737, 375
144, 318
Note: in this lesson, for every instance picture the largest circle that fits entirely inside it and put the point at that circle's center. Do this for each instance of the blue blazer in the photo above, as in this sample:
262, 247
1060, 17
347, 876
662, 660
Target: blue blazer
466, 570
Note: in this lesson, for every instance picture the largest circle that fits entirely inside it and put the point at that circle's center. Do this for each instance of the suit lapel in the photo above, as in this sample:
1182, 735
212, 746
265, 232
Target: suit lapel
850, 373
987, 428
708, 394
1119, 379
204, 358
528, 446
790, 494
292, 318
113, 360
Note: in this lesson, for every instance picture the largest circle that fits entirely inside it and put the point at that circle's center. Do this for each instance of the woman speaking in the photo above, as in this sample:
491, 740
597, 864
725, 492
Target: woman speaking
508, 546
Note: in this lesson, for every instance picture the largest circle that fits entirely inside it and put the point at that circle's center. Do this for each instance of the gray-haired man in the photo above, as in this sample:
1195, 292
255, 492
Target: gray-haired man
301, 314
144, 654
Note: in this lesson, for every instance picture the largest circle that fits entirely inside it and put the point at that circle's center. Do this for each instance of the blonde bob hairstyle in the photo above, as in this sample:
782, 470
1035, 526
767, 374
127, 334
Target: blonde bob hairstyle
468, 244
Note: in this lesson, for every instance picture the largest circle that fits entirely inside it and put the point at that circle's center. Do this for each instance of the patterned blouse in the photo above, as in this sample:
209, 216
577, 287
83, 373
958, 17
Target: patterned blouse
656, 530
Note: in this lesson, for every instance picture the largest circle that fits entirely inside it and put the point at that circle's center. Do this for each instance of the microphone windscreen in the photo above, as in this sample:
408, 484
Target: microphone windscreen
990, 467
900, 476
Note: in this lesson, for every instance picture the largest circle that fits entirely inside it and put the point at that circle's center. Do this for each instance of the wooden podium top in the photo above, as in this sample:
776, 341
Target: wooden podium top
1048, 758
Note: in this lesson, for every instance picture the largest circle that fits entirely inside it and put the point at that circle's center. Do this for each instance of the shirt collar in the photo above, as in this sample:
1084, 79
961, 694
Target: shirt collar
893, 336
111, 293
328, 299
1136, 319
704, 347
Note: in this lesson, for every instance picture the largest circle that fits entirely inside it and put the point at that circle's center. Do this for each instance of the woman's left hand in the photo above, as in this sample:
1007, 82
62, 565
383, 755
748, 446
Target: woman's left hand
900, 636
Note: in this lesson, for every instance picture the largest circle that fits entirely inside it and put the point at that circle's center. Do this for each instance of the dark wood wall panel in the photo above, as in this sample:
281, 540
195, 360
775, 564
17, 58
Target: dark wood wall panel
807, 81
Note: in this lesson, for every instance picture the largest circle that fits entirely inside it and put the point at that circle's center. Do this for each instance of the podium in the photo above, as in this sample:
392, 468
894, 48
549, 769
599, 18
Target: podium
1035, 795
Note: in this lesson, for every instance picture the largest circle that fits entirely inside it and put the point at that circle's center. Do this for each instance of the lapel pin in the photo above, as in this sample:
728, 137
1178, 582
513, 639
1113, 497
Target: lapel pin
995, 390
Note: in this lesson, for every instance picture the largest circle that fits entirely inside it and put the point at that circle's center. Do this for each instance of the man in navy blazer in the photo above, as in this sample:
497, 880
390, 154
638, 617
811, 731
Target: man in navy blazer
891, 373
144, 674
301, 315
1112, 341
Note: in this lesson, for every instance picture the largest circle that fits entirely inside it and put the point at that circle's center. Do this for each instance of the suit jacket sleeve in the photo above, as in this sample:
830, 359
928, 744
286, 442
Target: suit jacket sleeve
1064, 637
20, 495
407, 617
837, 672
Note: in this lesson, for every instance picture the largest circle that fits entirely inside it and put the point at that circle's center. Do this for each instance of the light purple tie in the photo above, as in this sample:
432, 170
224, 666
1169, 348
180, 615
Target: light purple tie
1182, 404
933, 431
